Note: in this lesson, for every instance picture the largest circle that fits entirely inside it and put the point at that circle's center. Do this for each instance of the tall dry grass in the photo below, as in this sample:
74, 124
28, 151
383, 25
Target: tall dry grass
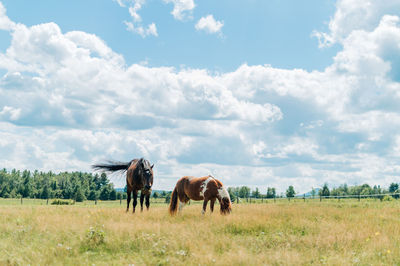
333, 233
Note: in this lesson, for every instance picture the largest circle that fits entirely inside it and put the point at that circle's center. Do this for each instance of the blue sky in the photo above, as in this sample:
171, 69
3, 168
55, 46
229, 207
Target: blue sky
254, 32
257, 93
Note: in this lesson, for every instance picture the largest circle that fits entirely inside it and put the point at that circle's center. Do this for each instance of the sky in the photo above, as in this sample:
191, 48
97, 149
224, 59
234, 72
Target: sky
256, 93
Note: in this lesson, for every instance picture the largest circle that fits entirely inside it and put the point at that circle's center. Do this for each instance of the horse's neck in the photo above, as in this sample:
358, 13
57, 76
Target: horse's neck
136, 176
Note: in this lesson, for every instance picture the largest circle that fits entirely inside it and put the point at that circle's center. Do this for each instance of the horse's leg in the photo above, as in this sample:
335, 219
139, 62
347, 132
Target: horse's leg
148, 201
134, 200
212, 205
204, 206
128, 199
181, 205
141, 200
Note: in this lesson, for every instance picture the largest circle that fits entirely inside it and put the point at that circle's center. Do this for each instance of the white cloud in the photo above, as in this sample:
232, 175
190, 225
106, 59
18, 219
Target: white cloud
183, 9
353, 15
133, 10
5, 22
144, 32
257, 125
136, 26
209, 24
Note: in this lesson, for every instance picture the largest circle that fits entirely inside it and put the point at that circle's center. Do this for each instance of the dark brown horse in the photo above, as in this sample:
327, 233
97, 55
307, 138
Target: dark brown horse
205, 188
139, 176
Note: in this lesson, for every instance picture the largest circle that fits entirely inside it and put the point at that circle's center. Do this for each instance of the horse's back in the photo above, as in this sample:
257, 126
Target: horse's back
195, 187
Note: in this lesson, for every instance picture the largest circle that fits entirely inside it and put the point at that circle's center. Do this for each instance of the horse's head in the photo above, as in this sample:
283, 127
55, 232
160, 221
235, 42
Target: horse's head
146, 173
225, 201
226, 206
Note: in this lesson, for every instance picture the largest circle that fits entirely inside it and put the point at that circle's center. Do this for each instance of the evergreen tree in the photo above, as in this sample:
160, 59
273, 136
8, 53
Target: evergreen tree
325, 190
45, 192
79, 196
105, 192
113, 195
93, 195
103, 180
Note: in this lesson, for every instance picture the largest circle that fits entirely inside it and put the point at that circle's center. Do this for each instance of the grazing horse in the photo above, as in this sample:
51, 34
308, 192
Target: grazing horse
139, 176
205, 188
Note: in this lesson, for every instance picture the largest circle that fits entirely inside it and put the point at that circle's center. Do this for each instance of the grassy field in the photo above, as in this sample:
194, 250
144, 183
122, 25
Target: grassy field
334, 233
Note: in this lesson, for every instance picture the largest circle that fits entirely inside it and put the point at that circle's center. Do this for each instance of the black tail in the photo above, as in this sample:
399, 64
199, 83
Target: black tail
112, 166
174, 201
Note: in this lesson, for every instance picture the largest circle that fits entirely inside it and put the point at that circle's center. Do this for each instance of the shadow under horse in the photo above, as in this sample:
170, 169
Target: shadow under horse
139, 176
205, 188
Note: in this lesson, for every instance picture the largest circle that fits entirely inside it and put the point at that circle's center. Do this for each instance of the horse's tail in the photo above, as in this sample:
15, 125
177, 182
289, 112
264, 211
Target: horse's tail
112, 166
174, 201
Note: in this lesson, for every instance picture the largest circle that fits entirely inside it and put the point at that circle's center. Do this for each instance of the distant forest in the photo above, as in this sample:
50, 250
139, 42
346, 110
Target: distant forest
41, 185
81, 186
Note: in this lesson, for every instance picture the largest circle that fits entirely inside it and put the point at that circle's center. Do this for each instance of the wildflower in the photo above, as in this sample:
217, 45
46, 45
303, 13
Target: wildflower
181, 252
377, 233
388, 251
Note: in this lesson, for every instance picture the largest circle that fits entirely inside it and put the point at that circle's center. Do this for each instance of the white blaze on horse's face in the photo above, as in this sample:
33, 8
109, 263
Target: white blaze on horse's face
223, 193
203, 187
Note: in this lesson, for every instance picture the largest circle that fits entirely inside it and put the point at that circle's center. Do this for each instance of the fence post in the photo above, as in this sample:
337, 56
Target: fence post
47, 203
262, 199
304, 197
320, 198
274, 198
21, 200
358, 197
237, 200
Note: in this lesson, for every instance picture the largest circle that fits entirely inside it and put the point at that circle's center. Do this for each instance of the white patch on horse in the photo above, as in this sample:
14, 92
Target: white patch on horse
223, 193
203, 187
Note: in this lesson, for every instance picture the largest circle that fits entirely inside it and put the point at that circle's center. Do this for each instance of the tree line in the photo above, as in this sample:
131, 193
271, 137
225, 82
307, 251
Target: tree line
82, 186
78, 186
362, 190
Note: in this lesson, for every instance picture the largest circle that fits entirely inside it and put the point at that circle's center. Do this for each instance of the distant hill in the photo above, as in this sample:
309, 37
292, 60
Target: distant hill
309, 194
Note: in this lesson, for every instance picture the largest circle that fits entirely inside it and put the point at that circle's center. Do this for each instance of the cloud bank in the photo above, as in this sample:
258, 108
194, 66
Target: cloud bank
68, 100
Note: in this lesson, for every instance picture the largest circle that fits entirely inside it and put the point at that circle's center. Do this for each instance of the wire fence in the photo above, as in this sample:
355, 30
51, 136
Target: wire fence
305, 197
235, 200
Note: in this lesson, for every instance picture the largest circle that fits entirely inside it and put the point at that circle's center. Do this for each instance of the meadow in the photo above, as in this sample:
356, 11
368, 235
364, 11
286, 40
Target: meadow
348, 232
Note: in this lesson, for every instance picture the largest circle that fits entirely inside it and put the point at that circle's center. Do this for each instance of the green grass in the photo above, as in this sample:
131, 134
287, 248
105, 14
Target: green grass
282, 233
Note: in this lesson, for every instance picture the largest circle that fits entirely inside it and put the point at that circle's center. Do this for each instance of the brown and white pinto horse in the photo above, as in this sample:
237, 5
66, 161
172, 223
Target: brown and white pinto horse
205, 188
139, 176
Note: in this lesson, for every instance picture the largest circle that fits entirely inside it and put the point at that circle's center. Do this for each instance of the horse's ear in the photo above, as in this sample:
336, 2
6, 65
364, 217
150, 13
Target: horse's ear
152, 166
